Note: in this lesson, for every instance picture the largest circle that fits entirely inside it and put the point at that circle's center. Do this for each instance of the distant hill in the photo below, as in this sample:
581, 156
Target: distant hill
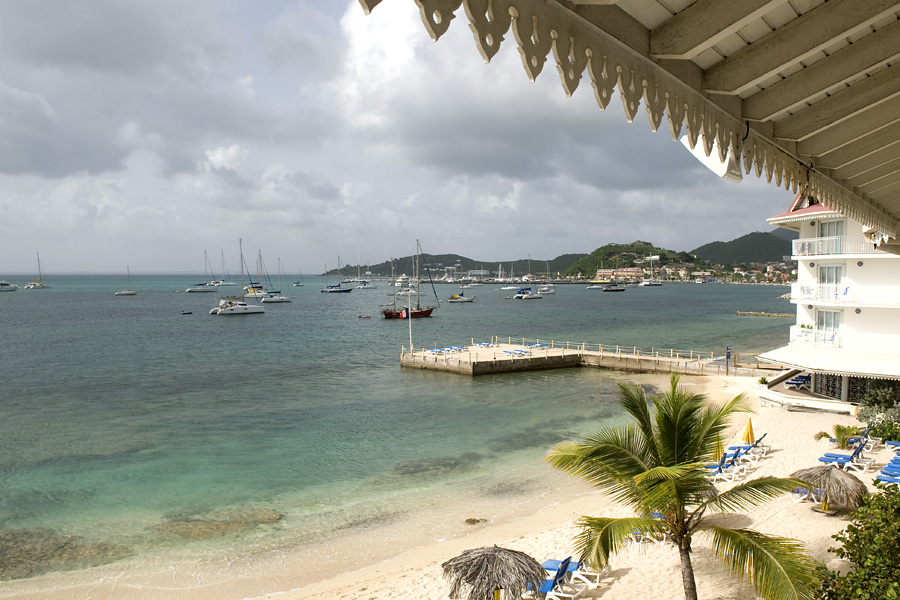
437, 262
624, 255
756, 247
751, 248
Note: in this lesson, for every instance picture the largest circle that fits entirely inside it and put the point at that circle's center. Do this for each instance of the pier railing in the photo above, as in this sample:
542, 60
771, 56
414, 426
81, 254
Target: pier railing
538, 344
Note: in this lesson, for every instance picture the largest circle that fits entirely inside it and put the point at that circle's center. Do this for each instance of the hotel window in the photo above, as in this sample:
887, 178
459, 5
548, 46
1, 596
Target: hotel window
830, 282
828, 324
831, 228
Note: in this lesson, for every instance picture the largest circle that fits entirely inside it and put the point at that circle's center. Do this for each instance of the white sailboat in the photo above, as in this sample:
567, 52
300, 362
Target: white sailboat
206, 285
275, 296
128, 291
37, 284
235, 305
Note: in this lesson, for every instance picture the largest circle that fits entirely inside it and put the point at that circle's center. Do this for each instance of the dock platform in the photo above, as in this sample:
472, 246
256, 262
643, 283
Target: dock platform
483, 358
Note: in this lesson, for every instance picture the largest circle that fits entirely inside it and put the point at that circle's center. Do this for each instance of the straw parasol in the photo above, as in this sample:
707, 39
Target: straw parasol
748, 437
486, 571
838, 486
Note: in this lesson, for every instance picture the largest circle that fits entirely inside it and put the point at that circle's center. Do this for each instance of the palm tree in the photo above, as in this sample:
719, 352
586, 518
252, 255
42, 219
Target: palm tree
842, 435
656, 466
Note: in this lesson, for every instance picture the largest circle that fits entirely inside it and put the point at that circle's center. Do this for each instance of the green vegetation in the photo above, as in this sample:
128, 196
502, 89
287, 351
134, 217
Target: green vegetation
753, 247
613, 256
719, 257
841, 435
656, 467
880, 407
870, 543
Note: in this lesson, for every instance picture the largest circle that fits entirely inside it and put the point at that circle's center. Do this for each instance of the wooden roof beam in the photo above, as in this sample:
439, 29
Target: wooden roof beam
862, 148
856, 127
790, 44
868, 53
841, 105
703, 24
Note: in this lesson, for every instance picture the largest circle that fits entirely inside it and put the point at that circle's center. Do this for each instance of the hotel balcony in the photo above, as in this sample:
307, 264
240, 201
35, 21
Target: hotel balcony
830, 294
824, 246
814, 337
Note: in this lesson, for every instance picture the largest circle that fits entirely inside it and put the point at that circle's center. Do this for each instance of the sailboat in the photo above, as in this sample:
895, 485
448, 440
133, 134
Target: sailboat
128, 291
336, 288
651, 282
460, 297
299, 282
410, 312
37, 284
235, 305
206, 285
275, 296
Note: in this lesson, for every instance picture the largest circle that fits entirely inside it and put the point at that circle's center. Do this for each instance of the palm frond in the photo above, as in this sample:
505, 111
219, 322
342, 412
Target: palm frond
778, 568
752, 493
602, 537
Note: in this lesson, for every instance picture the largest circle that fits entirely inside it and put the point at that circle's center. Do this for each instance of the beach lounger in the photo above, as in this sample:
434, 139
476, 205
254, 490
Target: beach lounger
797, 382
578, 572
892, 445
888, 480
558, 587
803, 494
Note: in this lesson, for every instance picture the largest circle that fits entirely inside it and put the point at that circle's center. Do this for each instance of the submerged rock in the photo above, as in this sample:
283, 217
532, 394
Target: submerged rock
219, 523
29, 552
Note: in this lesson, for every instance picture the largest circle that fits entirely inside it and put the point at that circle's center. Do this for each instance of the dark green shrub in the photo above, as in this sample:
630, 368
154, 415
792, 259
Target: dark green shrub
872, 543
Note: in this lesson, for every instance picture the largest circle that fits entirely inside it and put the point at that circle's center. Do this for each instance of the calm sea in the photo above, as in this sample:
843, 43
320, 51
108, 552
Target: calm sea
145, 436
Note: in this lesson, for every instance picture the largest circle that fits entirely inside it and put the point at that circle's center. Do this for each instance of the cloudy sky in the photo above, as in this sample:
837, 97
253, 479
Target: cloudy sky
145, 132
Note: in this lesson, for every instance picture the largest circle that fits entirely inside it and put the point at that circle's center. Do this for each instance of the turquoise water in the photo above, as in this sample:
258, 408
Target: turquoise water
120, 415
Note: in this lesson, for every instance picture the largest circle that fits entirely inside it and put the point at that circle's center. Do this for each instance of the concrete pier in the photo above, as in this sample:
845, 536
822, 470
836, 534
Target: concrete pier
507, 357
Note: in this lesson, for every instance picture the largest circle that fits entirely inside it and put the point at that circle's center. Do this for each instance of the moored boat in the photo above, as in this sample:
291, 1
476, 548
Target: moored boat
5, 286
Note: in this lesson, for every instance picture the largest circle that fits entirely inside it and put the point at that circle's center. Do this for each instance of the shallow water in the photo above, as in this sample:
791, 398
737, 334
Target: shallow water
169, 437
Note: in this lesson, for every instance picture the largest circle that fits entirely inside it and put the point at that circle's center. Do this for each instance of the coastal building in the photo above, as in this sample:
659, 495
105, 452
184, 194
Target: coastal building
847, 298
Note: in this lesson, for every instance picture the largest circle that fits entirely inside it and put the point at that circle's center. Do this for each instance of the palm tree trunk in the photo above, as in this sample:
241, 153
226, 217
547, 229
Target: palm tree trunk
687, 570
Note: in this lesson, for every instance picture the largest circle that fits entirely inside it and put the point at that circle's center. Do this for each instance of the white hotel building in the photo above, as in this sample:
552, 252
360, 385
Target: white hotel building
848, 310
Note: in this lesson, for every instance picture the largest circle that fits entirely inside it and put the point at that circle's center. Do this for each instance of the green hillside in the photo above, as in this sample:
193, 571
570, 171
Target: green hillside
624, 255
756, 247
437, 262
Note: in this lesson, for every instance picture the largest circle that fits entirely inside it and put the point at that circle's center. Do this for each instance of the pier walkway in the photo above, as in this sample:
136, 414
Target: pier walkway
520, 354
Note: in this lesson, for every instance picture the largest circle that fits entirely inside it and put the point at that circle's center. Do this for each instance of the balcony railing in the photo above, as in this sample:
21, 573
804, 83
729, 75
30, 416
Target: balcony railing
837, 244
831, 292
816, 337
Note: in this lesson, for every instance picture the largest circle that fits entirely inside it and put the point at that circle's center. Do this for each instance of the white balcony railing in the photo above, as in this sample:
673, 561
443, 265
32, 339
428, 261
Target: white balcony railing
830, 292
805, 335
837, 244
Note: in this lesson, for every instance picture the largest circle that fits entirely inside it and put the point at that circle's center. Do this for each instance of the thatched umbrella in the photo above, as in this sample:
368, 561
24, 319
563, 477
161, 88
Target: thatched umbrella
485, 571
838, 486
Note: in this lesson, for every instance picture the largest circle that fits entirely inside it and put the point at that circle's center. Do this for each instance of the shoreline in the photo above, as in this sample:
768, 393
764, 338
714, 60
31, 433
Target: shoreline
638, 572
356, 567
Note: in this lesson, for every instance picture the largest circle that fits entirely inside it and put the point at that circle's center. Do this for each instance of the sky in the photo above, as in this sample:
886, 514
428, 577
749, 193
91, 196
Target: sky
145, 133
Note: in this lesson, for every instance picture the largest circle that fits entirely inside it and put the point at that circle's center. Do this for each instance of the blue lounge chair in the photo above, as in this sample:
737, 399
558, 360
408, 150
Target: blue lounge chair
802, 494
797, 382
576, 571
558, 587
888, 480
892, 445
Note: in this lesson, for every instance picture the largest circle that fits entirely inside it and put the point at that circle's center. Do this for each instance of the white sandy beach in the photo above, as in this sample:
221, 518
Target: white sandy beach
544, 529
645, 571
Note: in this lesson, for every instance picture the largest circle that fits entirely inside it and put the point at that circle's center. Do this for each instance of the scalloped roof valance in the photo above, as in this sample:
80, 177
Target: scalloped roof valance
809, 99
